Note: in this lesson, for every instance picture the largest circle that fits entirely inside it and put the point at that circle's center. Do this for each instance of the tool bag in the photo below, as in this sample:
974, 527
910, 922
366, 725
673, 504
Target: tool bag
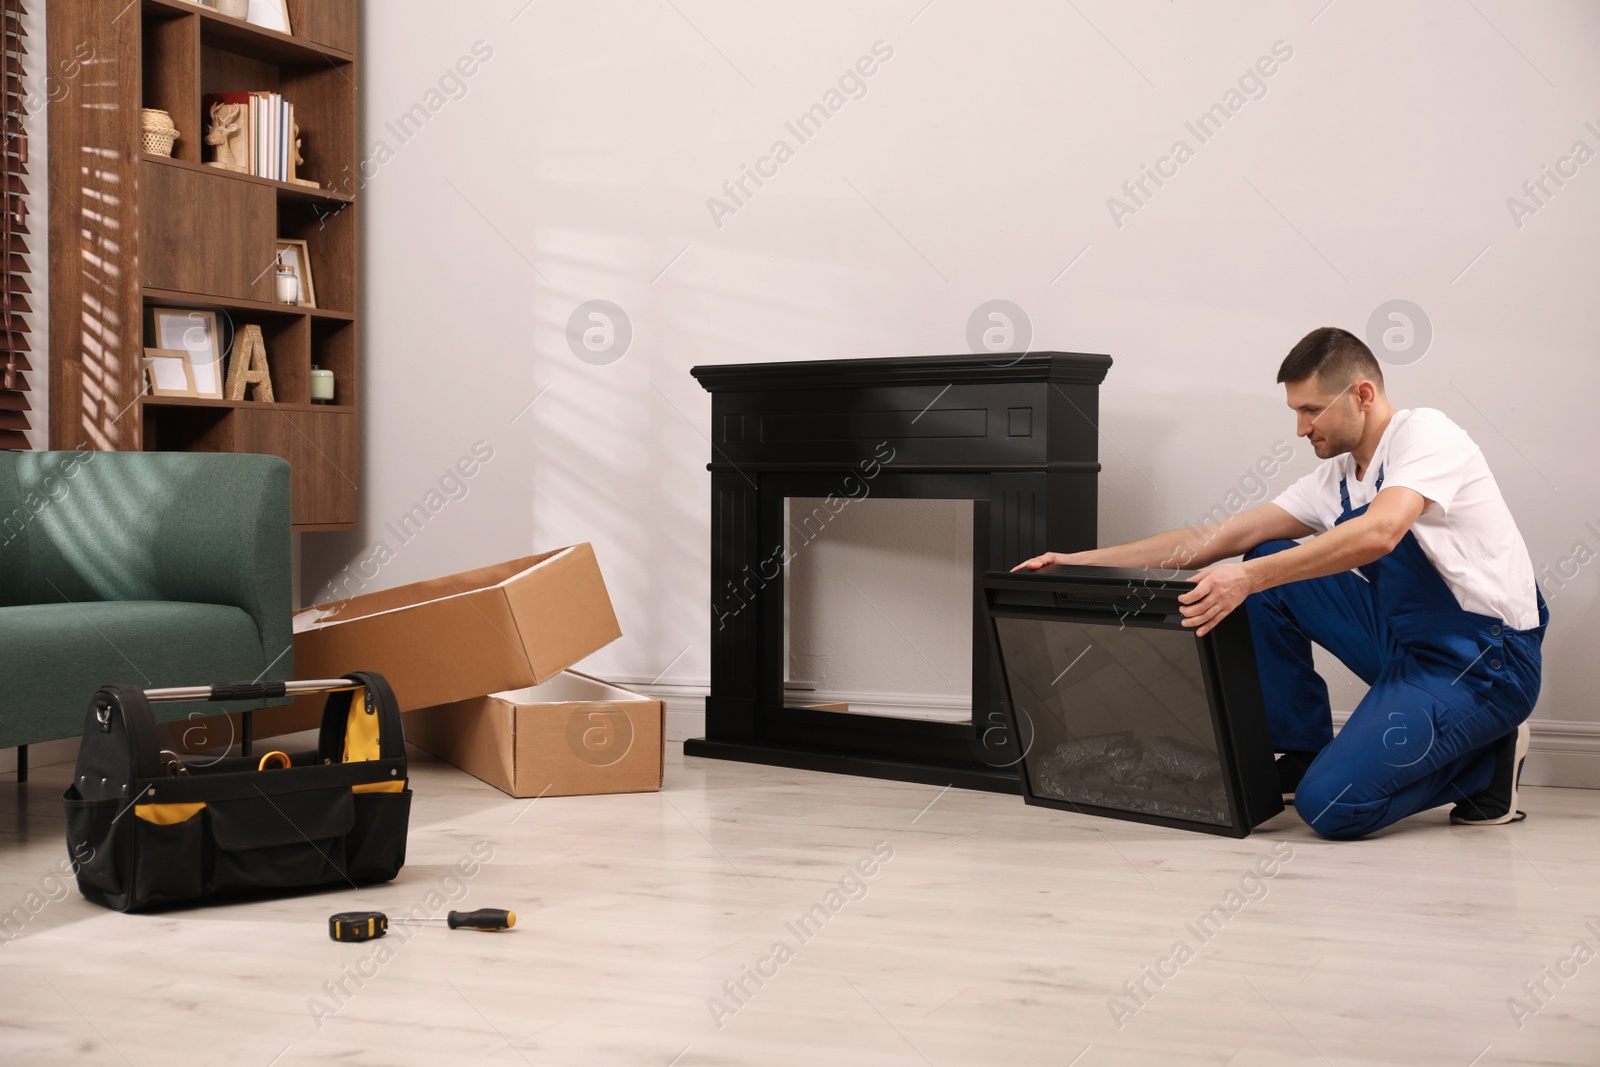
146, 826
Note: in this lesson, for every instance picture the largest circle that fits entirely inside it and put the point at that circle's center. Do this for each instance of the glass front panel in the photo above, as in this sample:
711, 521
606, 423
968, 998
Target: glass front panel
1116, 717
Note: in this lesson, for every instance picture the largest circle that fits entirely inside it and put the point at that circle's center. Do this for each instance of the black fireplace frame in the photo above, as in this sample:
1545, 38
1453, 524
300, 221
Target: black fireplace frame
1015, 434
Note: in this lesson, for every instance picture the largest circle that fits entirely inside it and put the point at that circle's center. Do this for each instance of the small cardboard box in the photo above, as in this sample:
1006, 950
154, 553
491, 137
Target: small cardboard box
572, 735
497, 628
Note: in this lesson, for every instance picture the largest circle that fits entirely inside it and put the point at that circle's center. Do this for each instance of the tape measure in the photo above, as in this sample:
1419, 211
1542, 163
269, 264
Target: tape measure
357, 925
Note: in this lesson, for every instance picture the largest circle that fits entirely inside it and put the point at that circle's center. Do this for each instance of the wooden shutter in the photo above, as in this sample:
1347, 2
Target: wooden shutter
14, 366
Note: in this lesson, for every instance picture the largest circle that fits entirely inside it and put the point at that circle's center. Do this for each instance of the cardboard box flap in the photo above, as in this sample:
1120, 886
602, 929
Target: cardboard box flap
579, 621
570, 687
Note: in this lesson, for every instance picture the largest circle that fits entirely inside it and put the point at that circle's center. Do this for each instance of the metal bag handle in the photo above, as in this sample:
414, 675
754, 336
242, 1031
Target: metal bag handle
249, 690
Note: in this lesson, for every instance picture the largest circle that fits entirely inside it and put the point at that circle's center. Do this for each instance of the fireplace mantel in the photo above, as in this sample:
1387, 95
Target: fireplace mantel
1068, 368
1016, 434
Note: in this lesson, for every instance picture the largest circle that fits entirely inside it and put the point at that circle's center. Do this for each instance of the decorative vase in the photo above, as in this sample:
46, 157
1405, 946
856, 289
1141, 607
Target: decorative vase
157, 131
234, 9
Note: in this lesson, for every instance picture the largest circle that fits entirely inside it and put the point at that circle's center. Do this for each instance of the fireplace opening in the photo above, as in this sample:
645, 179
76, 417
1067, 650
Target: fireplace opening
878, 606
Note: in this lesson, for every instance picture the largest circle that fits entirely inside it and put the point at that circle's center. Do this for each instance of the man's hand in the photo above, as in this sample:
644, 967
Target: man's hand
1216, 592
1047, 558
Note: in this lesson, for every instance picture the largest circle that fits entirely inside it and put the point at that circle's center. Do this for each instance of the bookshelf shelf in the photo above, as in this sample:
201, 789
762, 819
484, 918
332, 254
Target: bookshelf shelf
139, 231
220, 31
208, 402
178, 298
285, 190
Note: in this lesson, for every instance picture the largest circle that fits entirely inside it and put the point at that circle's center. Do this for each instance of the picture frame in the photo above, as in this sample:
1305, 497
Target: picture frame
269, 14
168, 372
297, 256
198, 335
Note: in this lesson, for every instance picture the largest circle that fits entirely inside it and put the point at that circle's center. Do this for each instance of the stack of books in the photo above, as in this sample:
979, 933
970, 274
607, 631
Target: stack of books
266, 133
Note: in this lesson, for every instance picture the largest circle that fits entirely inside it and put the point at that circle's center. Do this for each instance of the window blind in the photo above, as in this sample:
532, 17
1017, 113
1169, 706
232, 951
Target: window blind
14, 309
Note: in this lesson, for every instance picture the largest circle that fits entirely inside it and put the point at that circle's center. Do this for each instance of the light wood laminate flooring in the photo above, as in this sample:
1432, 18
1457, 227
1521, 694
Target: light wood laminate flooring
985, 932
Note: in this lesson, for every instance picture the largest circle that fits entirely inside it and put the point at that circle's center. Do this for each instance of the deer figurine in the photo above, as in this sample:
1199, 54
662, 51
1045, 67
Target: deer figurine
226, 135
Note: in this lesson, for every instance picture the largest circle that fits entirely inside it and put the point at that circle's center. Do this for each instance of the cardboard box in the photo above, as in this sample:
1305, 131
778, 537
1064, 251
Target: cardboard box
573, 735
505, 627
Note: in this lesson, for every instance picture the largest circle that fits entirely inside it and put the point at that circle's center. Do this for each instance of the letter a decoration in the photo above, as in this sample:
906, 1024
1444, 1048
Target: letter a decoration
249, 366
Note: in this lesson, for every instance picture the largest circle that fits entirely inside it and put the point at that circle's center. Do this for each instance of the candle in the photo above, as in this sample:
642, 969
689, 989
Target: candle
321, 386
288, 285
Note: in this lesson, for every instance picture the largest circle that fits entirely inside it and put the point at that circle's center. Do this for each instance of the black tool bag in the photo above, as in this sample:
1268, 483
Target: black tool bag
146, 826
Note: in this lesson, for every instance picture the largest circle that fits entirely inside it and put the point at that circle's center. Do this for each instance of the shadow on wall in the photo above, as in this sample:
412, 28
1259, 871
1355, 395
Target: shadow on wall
621, 441
618, 458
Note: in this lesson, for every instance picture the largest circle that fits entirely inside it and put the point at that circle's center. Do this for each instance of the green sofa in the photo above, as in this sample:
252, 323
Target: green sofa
146, 568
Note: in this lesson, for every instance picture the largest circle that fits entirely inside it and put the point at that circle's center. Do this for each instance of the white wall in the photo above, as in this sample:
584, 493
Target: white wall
978, 166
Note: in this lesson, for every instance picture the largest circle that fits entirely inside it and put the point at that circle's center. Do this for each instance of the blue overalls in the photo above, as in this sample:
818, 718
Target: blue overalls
1445, 685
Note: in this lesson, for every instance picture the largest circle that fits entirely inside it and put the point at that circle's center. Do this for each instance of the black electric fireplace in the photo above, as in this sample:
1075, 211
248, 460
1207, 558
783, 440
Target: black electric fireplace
1016, 435
1122, 711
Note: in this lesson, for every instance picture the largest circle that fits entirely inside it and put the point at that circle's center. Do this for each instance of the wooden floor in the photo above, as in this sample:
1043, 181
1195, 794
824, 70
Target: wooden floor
987, 933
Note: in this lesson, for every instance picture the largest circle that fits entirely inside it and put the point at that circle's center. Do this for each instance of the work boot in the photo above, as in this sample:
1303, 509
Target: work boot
1292, 767
1498, 803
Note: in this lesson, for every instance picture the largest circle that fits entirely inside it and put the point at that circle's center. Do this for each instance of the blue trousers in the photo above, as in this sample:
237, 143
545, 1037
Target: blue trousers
1437, 702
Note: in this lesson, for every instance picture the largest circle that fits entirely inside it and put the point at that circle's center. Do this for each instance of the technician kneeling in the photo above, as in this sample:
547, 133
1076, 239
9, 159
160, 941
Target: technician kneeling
1417, 580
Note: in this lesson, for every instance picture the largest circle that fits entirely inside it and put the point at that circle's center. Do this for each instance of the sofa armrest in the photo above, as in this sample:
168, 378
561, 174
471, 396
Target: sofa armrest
204, 528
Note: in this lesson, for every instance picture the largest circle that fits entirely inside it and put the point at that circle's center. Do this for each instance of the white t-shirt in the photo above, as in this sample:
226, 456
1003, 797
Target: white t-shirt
1466, 530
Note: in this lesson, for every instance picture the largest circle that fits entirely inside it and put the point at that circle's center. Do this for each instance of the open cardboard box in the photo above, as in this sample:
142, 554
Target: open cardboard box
569, 736
503, 627
508, 626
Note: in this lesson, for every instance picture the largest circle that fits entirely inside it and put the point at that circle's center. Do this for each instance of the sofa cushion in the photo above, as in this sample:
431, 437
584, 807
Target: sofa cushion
48, 651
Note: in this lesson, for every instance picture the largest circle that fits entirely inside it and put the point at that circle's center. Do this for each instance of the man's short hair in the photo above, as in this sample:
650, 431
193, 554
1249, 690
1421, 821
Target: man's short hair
1337, 357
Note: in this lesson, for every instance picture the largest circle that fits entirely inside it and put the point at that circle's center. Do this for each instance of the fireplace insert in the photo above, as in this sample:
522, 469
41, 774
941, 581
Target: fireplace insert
1120, 711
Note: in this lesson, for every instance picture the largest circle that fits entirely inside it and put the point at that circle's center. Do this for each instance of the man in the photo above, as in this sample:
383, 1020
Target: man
1417, 579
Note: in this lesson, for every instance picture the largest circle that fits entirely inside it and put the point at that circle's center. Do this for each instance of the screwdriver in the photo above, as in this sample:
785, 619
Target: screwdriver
482, 919
367, 925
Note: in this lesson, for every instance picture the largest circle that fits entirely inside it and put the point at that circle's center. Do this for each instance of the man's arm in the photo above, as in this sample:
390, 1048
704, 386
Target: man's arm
1189, 547
1361, 540
1355, 543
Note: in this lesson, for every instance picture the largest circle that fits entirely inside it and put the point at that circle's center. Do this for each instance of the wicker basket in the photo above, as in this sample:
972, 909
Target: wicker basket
158, 131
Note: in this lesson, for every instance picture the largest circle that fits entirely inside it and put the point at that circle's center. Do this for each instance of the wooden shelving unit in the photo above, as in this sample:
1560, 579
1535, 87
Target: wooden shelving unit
131, 231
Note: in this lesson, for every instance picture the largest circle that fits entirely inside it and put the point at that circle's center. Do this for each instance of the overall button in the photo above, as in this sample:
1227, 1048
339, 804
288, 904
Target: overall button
1494, 631
1495, 665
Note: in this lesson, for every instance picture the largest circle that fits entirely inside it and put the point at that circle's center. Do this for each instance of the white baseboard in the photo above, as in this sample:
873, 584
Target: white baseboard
686, 706
1563, 753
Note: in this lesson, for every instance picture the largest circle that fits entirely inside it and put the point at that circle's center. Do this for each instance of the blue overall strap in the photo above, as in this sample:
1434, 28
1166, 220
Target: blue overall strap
1344, 494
